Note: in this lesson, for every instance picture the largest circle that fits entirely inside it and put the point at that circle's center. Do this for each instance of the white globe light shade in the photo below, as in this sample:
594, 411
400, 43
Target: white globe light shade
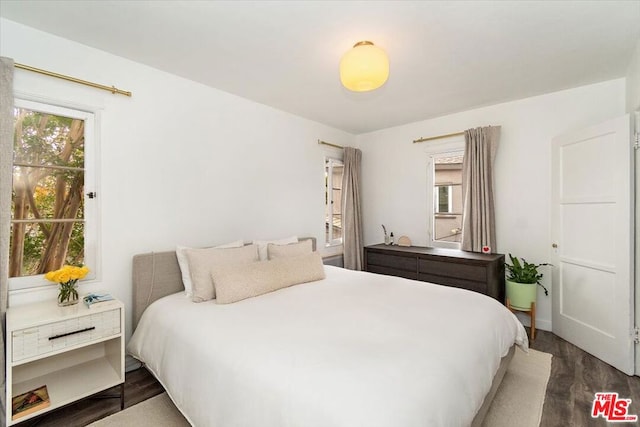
364, 68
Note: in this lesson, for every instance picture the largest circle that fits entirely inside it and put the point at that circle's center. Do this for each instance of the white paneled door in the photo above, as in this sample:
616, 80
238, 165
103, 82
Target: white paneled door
592, 239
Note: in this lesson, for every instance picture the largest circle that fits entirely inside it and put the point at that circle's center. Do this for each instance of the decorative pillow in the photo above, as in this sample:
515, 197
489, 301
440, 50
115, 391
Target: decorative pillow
262, 245
235, 284
290, 250
183, 262
202, 261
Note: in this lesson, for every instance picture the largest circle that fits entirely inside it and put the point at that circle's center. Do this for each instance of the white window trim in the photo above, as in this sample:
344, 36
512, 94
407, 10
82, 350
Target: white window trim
92, 209
451, 147
332, 161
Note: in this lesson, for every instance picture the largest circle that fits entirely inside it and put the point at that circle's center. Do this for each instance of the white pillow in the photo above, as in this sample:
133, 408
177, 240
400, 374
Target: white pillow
262, 245
183, 262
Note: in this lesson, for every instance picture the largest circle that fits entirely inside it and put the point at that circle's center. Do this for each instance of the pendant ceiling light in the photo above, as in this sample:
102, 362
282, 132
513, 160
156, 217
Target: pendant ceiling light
364, 68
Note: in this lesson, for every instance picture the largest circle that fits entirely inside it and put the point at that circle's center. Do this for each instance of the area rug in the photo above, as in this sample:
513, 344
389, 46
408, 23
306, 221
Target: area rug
520, 397
159, 411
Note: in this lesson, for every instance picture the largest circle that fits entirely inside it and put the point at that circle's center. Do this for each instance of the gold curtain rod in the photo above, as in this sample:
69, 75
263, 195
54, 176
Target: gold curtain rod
330, 144
111, 89
431, 138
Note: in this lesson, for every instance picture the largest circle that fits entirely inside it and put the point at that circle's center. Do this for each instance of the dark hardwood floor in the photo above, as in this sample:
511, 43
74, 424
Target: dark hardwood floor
575, 377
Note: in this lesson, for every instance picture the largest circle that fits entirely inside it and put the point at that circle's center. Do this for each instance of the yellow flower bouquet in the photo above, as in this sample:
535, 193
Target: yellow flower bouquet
67, 277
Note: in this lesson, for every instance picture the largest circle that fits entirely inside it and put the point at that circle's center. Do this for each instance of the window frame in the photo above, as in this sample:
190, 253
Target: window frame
454, 147
329, 162
91, 205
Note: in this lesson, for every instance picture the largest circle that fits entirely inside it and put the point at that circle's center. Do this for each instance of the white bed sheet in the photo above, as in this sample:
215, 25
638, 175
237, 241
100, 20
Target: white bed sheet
355, 349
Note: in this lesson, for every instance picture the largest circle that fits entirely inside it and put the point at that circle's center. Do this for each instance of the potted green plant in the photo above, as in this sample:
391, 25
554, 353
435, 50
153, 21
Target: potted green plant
522, 278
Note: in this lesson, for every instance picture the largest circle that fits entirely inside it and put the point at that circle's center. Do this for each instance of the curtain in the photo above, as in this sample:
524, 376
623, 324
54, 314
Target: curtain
352, 210
6, 166
478, 220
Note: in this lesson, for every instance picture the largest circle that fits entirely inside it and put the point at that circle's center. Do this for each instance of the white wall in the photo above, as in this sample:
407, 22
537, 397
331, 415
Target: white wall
181, 163
394, 169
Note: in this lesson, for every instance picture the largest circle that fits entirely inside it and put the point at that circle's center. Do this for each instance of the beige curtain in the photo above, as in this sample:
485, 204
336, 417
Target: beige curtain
478, 221
6, 165
351, 210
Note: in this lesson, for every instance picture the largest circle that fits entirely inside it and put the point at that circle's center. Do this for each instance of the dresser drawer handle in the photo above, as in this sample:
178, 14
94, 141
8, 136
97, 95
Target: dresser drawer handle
72, 333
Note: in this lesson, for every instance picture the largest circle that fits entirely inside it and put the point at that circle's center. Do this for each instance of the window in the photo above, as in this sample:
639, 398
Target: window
53, 219
446, 192
443, 198
333, 169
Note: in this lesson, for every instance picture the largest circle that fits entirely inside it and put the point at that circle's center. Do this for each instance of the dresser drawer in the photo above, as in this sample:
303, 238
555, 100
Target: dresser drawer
398, 262
43, 339
455, 282
454, 270
392, 272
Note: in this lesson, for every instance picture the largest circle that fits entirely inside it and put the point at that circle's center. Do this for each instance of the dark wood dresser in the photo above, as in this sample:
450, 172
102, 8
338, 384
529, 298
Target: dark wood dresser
474, 271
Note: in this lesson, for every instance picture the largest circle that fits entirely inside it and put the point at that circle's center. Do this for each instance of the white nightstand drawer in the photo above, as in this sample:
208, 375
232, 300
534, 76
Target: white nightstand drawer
44, 339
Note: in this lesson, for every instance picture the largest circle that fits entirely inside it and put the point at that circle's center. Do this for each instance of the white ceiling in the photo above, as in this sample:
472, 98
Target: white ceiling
445, 56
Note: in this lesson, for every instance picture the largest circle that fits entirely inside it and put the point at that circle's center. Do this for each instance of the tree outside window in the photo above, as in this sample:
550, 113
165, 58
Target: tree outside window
48, 223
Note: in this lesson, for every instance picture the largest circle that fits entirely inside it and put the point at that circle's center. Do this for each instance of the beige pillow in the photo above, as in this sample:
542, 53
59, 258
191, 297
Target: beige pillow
292, 249
235, 284
183, 262
201, 261
262, 245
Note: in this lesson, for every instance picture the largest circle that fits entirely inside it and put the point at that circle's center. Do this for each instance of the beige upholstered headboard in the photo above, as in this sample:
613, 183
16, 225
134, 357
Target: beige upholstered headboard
157, 274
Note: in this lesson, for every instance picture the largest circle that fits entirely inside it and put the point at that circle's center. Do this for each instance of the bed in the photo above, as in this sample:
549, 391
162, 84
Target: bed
352, 349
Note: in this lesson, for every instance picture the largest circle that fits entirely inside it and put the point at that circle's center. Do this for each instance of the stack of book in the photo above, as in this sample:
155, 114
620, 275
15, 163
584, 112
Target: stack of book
30, 402
98, 300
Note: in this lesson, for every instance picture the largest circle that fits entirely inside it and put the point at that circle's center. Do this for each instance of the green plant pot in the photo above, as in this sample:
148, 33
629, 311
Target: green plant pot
521, 295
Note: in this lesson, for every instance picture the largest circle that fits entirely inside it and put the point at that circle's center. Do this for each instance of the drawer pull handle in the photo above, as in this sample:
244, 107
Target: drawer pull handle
71, 333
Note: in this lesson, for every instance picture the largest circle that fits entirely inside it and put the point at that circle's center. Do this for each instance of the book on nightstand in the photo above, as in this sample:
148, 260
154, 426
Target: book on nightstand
30, 402
98, 300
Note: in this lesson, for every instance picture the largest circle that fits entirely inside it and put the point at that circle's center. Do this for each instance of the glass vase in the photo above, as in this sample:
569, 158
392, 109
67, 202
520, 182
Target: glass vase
67, 294
68, 302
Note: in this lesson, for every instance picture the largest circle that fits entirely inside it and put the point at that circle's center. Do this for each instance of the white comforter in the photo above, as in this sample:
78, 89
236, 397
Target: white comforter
355, 349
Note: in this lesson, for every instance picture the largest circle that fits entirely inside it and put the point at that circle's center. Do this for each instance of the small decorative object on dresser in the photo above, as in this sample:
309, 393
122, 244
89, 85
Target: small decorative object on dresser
404, 241
67, 278
387, 240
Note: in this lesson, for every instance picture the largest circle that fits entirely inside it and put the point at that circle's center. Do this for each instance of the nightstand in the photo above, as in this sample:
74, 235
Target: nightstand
75, 351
